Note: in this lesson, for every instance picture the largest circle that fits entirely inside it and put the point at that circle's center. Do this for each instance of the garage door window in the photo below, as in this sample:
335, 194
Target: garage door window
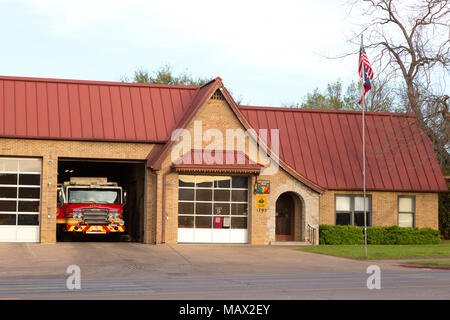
20, 191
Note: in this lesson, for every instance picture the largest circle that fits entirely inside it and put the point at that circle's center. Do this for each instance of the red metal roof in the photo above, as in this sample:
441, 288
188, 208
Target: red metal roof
323, 149
205, 160
91, 110
326, 148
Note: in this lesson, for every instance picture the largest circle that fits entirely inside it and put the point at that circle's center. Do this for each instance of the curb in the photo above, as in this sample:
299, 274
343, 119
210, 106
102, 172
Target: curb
424, 266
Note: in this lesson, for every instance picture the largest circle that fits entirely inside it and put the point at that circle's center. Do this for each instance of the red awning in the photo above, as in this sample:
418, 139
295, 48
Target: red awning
213, 161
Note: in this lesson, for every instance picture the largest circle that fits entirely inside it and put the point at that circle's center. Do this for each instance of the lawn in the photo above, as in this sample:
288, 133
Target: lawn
441, 250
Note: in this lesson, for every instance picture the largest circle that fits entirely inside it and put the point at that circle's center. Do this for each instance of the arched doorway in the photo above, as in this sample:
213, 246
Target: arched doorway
288, 218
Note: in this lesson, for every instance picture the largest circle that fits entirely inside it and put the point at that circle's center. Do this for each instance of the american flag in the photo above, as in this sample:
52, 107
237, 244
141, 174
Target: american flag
365, 72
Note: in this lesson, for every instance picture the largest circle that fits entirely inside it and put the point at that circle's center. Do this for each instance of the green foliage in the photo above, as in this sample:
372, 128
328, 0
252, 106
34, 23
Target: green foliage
164, 75
377, 235
340, 235
379, 98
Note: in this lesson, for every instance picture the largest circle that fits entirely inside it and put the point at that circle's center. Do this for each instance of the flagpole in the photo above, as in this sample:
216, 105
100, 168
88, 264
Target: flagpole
364, 169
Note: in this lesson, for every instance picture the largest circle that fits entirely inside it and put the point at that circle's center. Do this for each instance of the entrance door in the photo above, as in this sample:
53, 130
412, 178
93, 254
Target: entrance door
284, 218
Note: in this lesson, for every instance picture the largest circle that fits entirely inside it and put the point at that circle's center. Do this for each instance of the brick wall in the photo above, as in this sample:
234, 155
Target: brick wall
216, 114
50, 151
384, 208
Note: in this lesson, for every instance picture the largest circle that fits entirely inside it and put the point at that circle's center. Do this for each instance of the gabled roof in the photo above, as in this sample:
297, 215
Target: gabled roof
91, 110
157, 155
326, 148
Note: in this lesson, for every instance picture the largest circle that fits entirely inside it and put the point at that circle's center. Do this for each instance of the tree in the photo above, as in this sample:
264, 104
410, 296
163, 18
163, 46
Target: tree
411, 41
334, 98
164, 75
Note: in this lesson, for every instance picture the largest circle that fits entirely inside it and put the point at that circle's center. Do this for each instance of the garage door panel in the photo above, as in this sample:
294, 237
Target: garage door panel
28, 234
8, 233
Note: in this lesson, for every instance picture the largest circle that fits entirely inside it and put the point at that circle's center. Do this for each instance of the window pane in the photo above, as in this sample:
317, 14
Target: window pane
8, 178
8, 192
28, 206
239, 195
239, 209
204, 181
204, 195
7, 219
28, 220
8, 164
222, 182
186, 181
203, 208
343, 203
81, 195
405, 204
342, 219
203, 222
8, 205
359, 219
185, 208
405, 220
239, 223
359, 204
30, 165
30, 179
29, 193
221, 195
186, 194
185, 222
240, 182
222, 208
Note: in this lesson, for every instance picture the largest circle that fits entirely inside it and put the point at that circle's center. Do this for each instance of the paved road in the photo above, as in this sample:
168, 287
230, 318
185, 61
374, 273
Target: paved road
394, 285
135, 271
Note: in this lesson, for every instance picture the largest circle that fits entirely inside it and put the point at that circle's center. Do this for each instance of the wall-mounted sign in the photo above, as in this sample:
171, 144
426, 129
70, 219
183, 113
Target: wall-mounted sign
261, 202
262, 187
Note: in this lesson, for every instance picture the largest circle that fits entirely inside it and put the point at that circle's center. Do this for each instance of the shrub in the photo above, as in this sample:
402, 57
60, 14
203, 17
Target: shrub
377, 235
340, 235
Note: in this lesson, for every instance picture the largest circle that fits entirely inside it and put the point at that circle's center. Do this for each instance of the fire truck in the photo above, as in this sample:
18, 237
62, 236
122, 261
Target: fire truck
90, 206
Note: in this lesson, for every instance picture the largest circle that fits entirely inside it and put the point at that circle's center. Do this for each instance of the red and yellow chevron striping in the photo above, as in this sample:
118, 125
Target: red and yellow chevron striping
95, 228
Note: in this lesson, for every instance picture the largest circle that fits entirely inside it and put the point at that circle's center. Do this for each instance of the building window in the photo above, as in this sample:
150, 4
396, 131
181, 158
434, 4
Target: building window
406, 211
350, 210
212, 202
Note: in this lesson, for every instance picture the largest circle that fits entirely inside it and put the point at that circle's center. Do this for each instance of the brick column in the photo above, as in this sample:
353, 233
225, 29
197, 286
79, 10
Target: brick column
48, 201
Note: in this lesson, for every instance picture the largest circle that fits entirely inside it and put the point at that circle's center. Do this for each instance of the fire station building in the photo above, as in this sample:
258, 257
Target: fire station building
198, 168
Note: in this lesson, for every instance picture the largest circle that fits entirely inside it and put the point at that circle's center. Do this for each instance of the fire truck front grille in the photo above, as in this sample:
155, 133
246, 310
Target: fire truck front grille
95, 216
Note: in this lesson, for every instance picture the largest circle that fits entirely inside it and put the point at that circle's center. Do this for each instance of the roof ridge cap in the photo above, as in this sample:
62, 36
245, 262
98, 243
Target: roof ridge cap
100, 82
286, 109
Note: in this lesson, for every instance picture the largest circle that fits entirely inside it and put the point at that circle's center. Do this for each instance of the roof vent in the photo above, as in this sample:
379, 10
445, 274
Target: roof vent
217, 95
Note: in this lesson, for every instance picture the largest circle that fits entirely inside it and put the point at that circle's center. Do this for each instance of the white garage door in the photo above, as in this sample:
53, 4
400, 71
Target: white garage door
20, 194
212, 209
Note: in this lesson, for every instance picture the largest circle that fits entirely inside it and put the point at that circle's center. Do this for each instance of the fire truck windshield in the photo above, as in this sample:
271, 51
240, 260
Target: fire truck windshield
108, 196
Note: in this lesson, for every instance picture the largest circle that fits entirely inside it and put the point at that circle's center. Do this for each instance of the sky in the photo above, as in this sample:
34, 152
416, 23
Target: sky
268, 53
